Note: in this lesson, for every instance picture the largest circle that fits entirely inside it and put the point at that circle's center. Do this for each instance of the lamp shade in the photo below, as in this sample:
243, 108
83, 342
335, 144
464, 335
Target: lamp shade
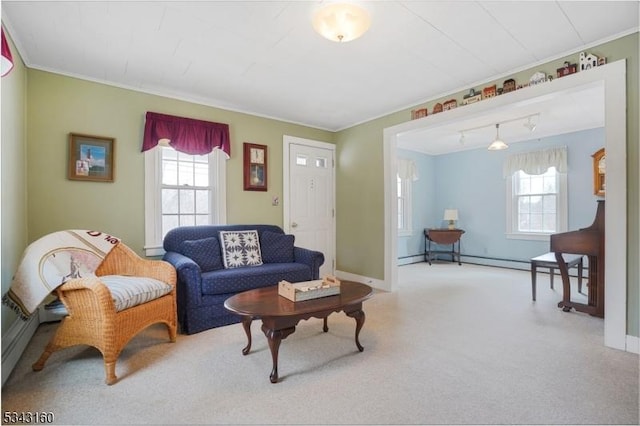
341, 22
451, 214
6, 61
498, 143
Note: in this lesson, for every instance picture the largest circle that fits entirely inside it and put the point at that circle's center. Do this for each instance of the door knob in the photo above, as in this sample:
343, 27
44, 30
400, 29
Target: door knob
294, 225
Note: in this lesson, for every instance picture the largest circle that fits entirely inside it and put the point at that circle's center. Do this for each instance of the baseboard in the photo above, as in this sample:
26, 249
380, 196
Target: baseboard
633, 344
410, 259
498, 263
373, 282
15, 341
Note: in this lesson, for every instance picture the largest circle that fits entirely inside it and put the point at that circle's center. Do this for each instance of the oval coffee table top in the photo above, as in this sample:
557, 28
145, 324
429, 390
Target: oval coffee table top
267, 302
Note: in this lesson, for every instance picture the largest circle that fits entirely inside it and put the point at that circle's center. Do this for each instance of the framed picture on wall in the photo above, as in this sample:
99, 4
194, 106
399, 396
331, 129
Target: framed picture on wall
255, 167
90, 158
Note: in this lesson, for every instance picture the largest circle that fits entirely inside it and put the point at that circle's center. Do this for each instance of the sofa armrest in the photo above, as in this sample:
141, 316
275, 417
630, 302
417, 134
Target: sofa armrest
189, 276
314, 259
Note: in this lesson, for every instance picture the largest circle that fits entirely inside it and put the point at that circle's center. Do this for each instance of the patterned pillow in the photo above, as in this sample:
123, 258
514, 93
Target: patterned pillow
240, 248
276, 247
205, 252
128, 292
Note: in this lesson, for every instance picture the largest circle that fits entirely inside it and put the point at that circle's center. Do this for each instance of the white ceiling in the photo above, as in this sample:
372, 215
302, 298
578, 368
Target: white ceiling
264, 58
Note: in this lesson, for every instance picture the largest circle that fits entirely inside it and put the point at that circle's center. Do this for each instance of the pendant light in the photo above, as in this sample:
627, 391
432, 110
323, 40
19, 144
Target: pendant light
497, 144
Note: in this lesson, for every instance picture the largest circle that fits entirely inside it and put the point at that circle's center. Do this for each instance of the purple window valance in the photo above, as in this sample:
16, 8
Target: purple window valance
195, 137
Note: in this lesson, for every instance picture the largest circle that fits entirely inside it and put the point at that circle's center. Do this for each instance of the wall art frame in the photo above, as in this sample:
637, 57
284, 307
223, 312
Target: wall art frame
255, 167
91, 158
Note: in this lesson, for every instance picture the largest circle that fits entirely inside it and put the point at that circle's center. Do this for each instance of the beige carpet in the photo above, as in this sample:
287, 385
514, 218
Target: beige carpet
453, 345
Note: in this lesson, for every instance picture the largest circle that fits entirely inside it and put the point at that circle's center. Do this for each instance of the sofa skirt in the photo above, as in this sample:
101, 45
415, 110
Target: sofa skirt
208, 315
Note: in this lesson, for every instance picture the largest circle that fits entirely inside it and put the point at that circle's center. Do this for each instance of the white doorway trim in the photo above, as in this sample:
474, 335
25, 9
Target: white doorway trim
613, 78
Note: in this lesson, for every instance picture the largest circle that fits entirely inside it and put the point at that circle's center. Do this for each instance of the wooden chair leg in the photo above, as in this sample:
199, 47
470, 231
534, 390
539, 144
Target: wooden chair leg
534, 269
172, 332
110, 370
580, 267
39, 364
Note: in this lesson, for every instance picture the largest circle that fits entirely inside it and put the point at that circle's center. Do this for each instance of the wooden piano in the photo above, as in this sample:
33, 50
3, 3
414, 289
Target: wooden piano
590, 242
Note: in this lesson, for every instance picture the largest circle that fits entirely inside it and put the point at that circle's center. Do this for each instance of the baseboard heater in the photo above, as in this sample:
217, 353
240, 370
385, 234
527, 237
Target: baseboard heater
498, 262
15, 341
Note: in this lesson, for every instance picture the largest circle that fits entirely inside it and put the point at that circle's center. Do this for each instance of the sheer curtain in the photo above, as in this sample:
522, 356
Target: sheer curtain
407, 169
537, 162
194, 137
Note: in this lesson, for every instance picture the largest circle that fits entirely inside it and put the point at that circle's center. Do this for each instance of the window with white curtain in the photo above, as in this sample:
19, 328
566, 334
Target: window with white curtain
536, 194
407, 173
404, 206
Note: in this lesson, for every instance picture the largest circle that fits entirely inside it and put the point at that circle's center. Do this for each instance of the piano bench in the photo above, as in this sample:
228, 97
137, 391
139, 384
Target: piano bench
548, 260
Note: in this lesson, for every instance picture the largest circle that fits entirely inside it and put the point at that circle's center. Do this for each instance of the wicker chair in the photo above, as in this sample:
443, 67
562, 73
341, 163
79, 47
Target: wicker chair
92, 318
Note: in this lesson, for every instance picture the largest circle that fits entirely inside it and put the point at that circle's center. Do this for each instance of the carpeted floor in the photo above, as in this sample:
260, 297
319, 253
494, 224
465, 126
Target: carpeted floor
452, 345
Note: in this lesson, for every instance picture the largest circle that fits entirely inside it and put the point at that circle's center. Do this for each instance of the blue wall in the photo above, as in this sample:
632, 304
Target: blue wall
472, 182
424, 212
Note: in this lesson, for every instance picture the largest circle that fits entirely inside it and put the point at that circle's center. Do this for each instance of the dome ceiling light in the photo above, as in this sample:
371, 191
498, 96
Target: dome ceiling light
341, 22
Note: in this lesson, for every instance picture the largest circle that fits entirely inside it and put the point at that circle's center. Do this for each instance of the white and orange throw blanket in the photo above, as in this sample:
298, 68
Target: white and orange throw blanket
51, 261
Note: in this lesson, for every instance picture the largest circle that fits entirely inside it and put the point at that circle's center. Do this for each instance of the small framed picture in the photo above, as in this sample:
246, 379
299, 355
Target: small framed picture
90, 158
255, 167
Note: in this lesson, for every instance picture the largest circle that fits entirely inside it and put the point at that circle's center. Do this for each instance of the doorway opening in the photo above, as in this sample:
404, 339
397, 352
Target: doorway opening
613, 78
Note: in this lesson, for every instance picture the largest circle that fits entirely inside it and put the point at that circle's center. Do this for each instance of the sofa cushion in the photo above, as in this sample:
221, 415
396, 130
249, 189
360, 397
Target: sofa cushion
205, 252
276, 248
240, 248
128, 292
240, 279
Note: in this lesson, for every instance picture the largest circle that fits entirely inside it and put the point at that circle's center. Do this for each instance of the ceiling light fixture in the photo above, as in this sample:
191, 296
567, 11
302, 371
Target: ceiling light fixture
498, 143
341, 22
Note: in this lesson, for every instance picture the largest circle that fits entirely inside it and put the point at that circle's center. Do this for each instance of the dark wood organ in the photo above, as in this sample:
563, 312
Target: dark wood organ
590, 242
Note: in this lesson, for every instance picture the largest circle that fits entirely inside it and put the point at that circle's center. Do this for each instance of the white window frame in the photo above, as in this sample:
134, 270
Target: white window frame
153, 200
512, 211
407, 189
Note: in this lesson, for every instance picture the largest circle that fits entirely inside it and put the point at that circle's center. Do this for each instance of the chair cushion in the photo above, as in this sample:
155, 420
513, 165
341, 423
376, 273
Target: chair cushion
205, 252
240, 248
128, 292
277, 248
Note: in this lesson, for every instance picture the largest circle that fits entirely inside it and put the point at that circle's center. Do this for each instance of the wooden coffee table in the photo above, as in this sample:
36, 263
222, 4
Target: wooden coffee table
280, 315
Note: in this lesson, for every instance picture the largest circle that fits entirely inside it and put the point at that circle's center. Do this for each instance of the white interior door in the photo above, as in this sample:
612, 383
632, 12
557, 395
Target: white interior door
310, 199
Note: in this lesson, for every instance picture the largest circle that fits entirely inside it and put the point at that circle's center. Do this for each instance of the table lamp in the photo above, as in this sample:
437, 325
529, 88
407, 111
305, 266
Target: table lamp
451, 215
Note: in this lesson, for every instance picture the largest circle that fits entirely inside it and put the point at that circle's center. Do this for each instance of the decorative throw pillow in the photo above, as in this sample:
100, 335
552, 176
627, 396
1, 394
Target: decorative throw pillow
240, 248
205, 252
276, 247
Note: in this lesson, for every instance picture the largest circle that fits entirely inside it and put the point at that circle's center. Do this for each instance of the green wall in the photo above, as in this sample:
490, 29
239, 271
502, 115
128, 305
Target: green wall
13, 153
360, 198
59, 105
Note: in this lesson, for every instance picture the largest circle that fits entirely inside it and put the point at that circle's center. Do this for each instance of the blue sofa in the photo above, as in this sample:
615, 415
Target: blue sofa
204, 283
